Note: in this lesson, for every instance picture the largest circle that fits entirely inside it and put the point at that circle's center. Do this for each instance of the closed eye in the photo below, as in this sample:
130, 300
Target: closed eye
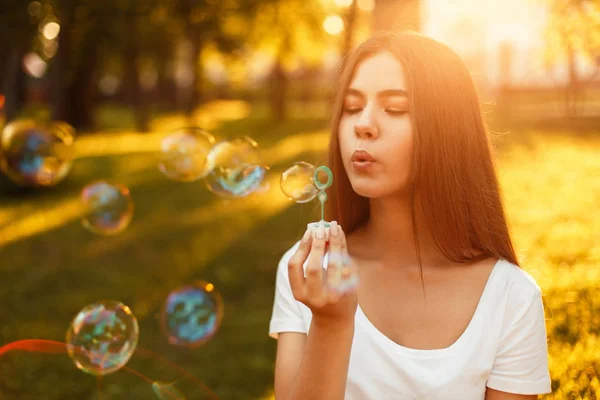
352, 111
396, 113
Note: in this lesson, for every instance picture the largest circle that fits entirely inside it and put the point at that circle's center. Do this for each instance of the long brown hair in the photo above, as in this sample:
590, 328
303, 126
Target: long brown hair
453, 179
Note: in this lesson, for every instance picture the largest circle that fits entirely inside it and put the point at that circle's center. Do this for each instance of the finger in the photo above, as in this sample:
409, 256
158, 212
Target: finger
335, 238
349, 272
296, 265
335, 257
343, 244
314, 269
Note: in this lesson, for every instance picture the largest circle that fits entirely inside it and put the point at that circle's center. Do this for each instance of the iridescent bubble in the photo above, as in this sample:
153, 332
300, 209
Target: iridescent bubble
192, 314
102, 337
184, 154
36, 154
298, 183
235, 169
108, 208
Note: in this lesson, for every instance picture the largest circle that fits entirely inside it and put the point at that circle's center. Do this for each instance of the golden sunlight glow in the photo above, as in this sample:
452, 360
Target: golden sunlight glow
366, 5
209, 116
209, 287
41, 221
343, 3
265, 204
477, 30
333, 24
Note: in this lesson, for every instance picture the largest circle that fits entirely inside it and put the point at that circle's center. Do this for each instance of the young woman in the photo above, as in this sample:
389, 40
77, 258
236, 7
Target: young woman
442, 310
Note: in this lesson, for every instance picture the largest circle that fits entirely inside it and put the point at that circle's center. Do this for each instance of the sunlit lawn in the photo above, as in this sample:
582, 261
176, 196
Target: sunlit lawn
50, 266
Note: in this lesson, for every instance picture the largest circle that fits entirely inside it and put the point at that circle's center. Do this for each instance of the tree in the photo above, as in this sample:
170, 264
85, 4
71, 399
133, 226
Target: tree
572, 30
291, 32
19, 26
222, 24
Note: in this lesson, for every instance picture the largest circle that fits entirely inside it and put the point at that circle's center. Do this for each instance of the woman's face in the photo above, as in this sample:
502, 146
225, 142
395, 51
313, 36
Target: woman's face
375, 118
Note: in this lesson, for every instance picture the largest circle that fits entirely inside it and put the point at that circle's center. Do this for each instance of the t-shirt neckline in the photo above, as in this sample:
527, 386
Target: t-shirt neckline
427, 353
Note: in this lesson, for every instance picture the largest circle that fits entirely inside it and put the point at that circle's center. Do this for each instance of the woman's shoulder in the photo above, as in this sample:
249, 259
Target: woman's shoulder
515, 282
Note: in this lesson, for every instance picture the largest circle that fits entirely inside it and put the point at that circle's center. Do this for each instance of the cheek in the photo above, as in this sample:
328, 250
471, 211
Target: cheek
399, 155
345, 134
399, 144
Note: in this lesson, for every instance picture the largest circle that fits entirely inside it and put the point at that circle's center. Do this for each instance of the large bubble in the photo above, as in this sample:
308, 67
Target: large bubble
36, 154
108, 208
235, 169
298, 183
192, 314
102, 337
184, 154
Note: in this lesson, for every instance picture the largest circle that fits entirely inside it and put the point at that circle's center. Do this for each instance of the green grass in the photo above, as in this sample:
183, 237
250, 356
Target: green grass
51, 267
180, 233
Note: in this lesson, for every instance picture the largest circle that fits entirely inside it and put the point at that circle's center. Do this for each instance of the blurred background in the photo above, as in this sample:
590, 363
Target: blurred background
125, 74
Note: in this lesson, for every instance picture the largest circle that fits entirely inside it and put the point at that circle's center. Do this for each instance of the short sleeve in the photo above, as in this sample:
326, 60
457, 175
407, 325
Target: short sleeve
287, 315
521, 364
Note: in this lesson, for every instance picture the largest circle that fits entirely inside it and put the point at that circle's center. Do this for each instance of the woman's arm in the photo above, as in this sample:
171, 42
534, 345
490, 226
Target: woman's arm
491, 394
314, 367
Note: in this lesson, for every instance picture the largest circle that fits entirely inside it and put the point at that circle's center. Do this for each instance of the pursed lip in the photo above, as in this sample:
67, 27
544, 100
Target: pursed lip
362, 156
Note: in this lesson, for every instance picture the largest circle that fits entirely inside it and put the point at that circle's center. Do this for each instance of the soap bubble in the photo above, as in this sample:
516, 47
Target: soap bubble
235, 169
108, 208
35, 154
192, 314
298, 183
184, 154
102, 337
342, 274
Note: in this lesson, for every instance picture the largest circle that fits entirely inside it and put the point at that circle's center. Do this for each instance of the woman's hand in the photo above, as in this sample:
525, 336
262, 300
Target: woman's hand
330, 294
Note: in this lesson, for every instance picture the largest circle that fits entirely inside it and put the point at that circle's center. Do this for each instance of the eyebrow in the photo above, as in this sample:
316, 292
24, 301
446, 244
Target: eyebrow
383, 93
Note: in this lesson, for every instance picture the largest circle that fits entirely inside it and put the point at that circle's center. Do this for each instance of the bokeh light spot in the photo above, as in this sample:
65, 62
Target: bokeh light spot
333, 24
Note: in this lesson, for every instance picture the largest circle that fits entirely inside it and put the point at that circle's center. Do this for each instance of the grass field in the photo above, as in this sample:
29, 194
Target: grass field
50, 267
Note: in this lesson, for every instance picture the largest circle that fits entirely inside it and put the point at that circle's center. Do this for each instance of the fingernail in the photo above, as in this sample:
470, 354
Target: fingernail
334, 228
321, 232
306, 236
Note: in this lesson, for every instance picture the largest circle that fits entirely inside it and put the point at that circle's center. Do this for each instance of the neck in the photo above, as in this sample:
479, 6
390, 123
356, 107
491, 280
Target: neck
389, 233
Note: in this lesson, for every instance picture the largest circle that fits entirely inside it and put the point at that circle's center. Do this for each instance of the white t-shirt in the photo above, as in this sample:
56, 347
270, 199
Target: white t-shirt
504, 347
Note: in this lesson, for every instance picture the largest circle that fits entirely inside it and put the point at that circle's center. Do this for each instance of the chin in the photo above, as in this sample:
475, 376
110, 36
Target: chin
376, 189
370, 189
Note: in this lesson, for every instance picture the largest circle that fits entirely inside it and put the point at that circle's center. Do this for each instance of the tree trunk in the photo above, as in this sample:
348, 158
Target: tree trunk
14, 85
134, 95
350, 27
165, 86
4, 57
278, 91
572, 92
72, 90
195, 93
396, 15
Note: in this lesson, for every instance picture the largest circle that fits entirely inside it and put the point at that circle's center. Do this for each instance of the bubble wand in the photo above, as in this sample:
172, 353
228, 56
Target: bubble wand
322, 196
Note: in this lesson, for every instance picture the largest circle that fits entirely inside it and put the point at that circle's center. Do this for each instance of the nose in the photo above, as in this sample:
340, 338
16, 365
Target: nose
365, 127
